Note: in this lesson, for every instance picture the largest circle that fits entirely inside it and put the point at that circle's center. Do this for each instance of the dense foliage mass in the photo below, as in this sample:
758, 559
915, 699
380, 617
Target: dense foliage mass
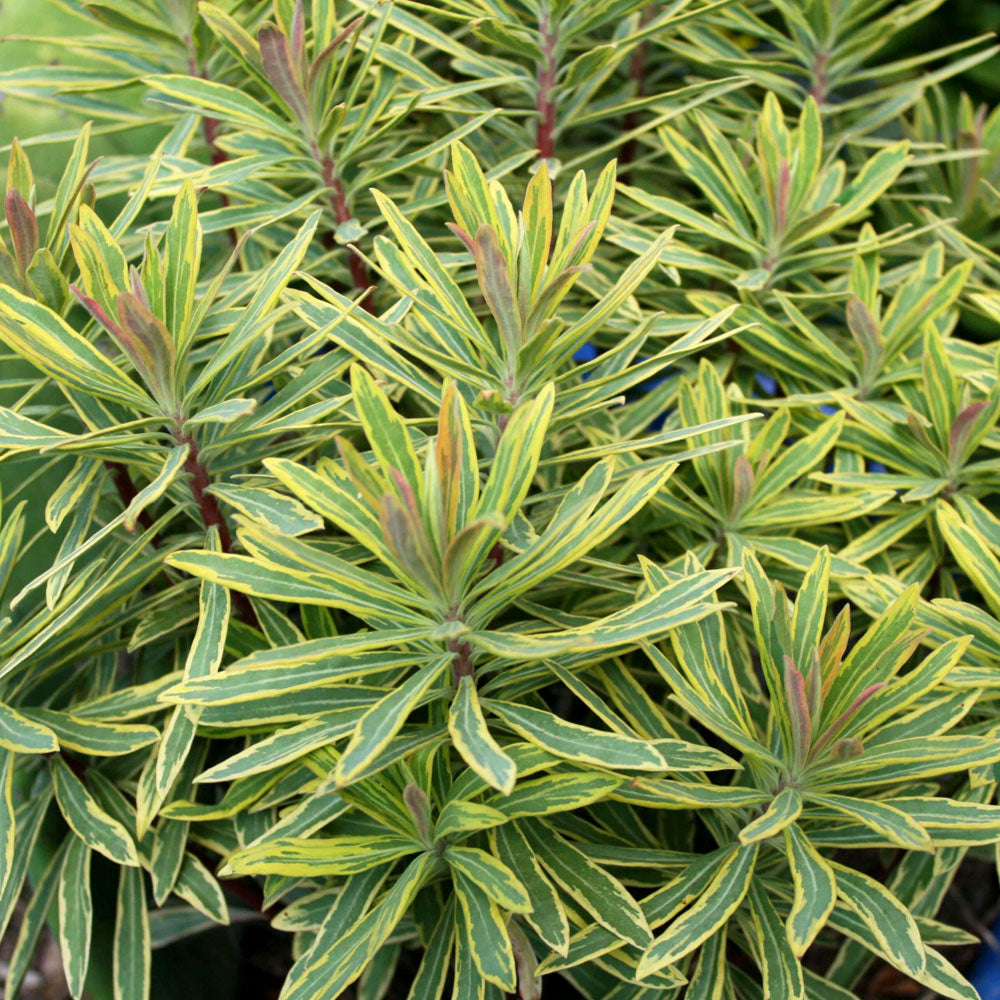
504, 492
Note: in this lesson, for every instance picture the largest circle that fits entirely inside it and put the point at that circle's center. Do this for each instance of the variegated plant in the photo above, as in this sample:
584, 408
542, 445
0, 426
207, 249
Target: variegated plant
506, 495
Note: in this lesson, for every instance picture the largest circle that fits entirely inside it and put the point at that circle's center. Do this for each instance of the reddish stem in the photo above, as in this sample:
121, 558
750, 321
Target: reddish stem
77, 766
637, 73
127, 492
342, 213
211, 516
546, 101
208, 506
210, 132
210, 129
462, 665
819, 72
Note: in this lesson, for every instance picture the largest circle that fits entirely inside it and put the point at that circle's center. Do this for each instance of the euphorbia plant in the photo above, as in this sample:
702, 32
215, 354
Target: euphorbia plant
503, 494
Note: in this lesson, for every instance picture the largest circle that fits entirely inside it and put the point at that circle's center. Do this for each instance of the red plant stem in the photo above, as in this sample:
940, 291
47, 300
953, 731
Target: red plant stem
819, 72
210, 132
211, 516
77, 766
342, 213
127, 492
208, 506
248, 891
546, 100
637, 73
462, 665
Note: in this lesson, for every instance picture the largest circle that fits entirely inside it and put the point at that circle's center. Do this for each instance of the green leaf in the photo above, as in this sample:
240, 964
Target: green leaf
101, 739
76, 913
27, 822
250, 576
487, 934
278, 513
326, 968
253, 318
226, 412
132, 947
494, 878
782, 810
429, 980
972, 554
885, 916
285, 745
8, 819
472, 739
196, 886
575, 742
20, 734
282, 671
216, 100
556, 793
346, 855
547, 914
815, 890
780, 968
891, 823
461, 818
45, 340
33, 921
385, 719
182, 257
650, 617
88, 820
69, 492
810, 611
716, 904
385, 429
172, 468
590, 886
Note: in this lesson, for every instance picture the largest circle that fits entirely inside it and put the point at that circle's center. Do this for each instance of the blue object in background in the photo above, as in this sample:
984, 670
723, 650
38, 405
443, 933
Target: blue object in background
589, 351
767, 383
876, 467
985, 972
828, 410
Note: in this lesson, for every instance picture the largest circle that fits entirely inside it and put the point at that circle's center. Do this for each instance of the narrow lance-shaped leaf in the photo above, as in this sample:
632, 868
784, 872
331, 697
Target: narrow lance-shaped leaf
23, 228
596, 891
815, 890
182, 258
75, 914
782, 811
132, 948
8, 821
493, 877
44, 339
487, 934
280, 67
88, 820
886, 917
384, 719
471, 737
23, 735
714, 907
497, 289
